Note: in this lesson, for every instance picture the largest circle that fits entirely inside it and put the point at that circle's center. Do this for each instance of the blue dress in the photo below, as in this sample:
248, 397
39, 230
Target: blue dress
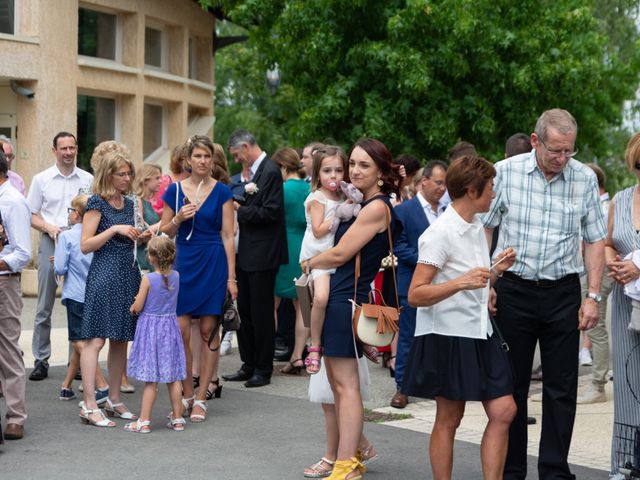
113, 280
157, 352
337, 332
201, 260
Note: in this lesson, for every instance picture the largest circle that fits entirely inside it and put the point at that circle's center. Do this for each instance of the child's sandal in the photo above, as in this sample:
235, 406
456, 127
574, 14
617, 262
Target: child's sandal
313, 364
139, 426
177, 424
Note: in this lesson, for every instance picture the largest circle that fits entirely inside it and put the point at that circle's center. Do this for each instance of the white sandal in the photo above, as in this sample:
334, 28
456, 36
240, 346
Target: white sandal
195, 417
110, 410
187, 406
177, 424
139, 426
85, 417
318, 469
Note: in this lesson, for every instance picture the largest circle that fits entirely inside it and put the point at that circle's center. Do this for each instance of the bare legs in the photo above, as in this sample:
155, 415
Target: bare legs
493, 450
149, 397
345, 384
116, 362
321, 285
74, 364
89, 365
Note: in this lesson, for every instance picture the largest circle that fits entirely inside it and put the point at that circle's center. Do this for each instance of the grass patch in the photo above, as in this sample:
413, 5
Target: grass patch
380, 417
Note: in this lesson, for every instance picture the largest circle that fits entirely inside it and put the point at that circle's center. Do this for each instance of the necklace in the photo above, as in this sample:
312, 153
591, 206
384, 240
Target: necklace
117, 204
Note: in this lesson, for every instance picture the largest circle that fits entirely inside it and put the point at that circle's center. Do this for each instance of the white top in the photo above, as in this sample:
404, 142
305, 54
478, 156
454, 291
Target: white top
16, 221
428, 211
51, 192
312, 246
455, 247
632, 289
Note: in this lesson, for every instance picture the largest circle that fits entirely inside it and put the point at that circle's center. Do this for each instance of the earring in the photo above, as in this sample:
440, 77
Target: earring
380, 182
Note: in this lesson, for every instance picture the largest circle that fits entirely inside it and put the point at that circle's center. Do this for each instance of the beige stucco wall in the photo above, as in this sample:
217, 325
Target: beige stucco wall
43, 56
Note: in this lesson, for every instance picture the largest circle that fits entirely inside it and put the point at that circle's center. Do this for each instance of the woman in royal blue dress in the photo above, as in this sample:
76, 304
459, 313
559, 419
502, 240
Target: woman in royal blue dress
199, 212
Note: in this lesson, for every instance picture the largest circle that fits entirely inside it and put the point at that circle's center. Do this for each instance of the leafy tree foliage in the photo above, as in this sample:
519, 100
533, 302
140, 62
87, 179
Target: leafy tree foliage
420, 75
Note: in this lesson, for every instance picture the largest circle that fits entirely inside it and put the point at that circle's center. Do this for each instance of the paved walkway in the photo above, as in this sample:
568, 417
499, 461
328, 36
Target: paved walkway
266, 433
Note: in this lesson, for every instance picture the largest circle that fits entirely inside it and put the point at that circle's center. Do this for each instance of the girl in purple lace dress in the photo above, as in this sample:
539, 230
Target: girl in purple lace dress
157, 352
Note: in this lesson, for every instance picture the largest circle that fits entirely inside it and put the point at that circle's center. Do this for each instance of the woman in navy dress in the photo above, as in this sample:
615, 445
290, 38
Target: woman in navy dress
199, 212
372, 172
112, 282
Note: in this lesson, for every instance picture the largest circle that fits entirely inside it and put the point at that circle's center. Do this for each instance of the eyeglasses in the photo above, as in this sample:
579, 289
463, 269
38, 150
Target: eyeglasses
123, 174
71, 210
559, 153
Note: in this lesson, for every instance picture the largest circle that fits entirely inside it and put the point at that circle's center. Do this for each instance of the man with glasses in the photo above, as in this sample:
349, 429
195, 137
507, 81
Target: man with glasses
49, 196
14, 178
545, 203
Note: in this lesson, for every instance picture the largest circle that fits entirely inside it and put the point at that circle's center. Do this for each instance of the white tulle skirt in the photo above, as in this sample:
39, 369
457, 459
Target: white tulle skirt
320, 390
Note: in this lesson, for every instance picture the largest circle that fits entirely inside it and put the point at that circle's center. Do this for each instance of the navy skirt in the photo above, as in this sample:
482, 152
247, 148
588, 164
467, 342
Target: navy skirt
457, 368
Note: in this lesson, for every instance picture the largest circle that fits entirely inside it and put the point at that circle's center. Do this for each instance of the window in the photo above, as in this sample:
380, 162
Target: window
97, 34
153, 125
7, 16
96, 123
193, 58
154, 48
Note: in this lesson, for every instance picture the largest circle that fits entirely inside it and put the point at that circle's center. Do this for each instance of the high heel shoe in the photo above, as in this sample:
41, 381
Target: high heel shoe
110, 410
85, 418
291, 368
345, 470
216, 392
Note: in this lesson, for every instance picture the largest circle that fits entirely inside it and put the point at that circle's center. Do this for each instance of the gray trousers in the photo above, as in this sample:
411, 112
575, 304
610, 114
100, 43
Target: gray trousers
41, 342
12, 374
598, 335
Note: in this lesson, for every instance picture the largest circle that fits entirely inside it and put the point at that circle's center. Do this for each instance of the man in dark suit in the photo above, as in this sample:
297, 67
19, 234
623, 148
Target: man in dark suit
262, 248
416, 215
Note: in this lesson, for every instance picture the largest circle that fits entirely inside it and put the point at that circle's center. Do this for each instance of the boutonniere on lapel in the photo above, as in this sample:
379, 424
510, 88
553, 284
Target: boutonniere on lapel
251, 188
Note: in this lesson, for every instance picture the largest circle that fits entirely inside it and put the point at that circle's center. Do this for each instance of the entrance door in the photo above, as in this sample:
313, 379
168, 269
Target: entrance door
8, 126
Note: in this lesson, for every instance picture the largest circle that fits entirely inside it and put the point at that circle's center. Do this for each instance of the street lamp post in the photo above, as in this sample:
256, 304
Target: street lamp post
273, 79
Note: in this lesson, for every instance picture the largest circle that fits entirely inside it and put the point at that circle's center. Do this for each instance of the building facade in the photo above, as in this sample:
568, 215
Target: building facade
137, 71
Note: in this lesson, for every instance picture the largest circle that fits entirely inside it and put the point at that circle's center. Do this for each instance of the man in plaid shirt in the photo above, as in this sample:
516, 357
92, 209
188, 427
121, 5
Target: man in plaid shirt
545, 203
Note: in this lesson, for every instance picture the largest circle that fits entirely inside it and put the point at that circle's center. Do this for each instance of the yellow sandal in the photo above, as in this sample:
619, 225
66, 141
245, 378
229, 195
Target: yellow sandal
344, 468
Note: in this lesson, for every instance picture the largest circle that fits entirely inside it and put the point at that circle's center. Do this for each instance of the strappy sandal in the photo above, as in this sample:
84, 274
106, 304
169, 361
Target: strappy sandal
196, 417
85, 417
350, 469
187, 405
139, 426
291, 368
322, 468
371, 353
367, 455
216, 392
177, 424
110, 410
313, 364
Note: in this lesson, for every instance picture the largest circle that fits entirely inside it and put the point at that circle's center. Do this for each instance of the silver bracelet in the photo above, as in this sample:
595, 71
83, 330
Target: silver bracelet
173, 220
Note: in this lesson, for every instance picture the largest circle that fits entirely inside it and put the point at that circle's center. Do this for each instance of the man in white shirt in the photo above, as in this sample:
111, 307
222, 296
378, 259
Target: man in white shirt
15, 254
49, 197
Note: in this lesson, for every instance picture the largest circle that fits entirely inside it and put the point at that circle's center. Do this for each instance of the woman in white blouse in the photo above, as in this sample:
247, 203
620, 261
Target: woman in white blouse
456, 356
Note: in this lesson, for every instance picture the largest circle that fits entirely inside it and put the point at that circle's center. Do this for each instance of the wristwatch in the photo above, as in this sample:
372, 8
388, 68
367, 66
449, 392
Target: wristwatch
594, 296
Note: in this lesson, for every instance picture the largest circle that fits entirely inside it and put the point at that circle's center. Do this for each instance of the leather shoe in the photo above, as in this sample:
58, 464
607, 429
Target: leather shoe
399, 400
531, 420
40, 372
257, 381
240, 376
282, 355
13, 431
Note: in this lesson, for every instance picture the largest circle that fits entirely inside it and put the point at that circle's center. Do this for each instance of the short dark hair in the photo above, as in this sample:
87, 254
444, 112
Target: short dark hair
516, 144
466, 172
460, 149
4, 166
63, 135
411, 163
599, 173
431, 164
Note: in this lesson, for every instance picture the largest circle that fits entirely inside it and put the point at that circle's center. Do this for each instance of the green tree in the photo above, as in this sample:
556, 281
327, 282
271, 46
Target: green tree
419, 74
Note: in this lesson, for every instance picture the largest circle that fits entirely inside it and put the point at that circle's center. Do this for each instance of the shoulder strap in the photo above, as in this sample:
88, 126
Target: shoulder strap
177, 190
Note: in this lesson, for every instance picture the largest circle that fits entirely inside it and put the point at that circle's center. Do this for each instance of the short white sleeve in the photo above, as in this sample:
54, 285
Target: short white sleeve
432, 247
315, 196
34, 197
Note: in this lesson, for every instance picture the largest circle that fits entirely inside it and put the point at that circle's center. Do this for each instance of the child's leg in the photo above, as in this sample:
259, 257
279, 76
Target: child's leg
148, 399
321, 285
74, 363
175, 395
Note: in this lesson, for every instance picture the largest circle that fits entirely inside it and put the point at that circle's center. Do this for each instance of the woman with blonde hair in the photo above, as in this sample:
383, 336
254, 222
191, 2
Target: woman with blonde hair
112, 282
295, 191
147, 184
